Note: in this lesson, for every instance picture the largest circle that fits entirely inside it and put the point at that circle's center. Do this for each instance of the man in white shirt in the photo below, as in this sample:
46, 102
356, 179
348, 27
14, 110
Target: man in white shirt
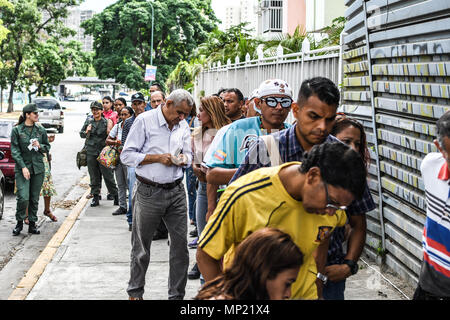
159, 146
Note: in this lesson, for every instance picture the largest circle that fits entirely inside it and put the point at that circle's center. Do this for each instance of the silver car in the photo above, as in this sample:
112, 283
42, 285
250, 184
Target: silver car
51, 114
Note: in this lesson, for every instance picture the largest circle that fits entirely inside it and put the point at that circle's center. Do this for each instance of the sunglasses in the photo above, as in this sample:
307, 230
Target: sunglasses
274, 101
329, 205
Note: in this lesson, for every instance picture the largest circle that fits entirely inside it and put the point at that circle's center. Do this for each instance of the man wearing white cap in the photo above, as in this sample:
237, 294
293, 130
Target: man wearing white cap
274, 99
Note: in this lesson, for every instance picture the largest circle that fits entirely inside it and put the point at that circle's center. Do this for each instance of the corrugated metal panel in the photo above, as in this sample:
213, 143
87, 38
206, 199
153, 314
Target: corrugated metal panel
409, 67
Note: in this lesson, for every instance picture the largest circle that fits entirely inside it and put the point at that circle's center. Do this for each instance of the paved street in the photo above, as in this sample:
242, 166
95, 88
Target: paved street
92, 261
18, 253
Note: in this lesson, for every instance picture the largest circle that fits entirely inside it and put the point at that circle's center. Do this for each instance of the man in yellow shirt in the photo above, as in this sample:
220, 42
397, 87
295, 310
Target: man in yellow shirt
306, 200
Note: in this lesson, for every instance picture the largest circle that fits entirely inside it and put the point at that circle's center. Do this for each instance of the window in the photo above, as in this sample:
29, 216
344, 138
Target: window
272, 15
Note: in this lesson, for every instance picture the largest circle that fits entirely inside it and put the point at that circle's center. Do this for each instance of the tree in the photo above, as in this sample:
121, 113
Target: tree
122, 34
3, 30
51, 62
28, 22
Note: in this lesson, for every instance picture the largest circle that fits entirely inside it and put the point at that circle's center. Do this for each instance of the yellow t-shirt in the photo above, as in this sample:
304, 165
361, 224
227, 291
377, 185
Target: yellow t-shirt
258, 200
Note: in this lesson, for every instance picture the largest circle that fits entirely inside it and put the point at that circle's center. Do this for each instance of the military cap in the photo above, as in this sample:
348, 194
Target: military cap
31, 107
96, 105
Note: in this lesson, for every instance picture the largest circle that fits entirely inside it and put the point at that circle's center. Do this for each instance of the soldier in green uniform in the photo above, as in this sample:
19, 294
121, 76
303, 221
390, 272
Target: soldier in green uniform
29, 143
95, 131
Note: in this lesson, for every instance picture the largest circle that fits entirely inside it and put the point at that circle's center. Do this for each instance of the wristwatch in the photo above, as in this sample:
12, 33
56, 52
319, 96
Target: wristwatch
353, 266
322, 277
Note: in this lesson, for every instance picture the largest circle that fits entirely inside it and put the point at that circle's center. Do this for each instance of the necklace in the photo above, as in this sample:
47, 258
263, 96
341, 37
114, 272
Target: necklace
262, 128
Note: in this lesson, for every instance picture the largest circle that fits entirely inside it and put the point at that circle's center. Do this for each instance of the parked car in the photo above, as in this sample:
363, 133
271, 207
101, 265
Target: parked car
69, 98
51, 115
84, 98
6, 163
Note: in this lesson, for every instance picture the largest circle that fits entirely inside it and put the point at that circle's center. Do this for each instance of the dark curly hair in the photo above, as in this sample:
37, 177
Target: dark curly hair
339, 166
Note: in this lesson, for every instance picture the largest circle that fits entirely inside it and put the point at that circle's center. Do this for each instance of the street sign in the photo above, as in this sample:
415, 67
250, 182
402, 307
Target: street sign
150, 73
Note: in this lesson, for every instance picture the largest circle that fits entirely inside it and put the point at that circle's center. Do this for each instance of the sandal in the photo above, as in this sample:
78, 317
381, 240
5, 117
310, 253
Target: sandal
51, 216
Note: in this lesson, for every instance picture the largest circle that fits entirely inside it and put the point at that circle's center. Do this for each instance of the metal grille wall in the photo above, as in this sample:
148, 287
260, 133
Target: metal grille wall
398, 84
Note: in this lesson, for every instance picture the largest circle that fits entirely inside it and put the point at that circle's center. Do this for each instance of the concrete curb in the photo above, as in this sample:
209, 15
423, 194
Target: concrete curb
37, 269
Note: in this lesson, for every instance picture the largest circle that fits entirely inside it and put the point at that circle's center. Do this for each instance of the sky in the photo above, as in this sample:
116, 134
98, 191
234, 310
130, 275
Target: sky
99, 5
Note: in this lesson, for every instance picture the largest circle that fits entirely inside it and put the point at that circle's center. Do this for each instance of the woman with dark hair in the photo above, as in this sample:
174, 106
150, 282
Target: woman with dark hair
264, 267
351, 132
115, 139
29, 143
119, 104
108, 109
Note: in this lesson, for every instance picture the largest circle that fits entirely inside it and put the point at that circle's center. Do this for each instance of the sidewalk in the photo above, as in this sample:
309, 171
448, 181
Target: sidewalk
92, 263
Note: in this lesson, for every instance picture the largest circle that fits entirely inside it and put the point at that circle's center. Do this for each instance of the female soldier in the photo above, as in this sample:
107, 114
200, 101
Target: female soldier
29, 143
95, 131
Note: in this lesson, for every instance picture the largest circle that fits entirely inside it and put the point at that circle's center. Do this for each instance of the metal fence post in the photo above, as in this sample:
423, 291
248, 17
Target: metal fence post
375, 132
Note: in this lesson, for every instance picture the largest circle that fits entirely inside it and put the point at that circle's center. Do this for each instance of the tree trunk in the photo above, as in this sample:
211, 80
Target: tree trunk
10, 98
1, 99
13, 85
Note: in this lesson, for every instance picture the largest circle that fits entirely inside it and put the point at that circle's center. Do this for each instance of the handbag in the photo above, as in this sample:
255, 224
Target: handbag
82, 158
109, 157
82, 155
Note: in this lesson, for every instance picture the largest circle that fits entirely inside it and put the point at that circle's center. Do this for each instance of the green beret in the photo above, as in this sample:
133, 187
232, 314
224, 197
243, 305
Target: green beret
31, 107
96, 105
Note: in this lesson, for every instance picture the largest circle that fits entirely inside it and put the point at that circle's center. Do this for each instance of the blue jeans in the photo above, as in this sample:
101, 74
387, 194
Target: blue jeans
334, 290
131, 180
201, 207
191, 181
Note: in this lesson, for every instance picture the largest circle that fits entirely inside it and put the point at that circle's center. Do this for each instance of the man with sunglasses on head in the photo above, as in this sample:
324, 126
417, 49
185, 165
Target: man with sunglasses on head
315, 113
274, 99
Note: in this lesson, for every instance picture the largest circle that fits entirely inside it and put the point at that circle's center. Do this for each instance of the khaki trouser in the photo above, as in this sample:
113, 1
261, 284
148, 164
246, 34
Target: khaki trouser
28, 192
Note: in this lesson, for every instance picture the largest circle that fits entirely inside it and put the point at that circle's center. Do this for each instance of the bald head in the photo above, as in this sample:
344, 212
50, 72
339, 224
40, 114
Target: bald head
156, 99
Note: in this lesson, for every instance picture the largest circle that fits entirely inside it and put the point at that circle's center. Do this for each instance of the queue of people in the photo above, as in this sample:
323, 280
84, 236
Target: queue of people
273, 203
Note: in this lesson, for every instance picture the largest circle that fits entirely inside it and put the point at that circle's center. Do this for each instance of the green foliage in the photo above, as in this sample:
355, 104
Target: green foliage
122, 37
3, 31
51, 62
237, 42
28, 29
333, 34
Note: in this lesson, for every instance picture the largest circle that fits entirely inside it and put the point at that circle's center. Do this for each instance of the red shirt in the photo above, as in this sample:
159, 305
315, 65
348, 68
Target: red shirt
111, 115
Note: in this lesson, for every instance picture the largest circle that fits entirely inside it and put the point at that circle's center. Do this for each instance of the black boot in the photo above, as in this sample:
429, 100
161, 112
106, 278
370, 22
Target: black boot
32, 228
18, 228
194, 273
109, 196
95, 201
116, 200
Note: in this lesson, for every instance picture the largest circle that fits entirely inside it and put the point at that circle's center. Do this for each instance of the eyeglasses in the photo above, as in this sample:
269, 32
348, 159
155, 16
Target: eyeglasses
274, 101
329, 205
35, 113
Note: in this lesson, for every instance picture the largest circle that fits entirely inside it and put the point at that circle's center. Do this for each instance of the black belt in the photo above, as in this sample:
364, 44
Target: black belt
159, 185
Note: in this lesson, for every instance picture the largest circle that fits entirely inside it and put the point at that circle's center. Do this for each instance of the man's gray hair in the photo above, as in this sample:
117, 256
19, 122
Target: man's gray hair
443, 128
180, 95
